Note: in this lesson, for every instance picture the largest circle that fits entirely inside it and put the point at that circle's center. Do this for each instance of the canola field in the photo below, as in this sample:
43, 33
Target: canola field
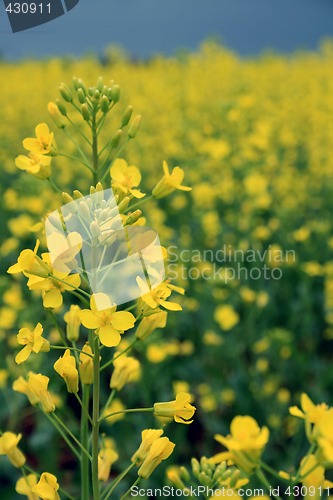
251, 244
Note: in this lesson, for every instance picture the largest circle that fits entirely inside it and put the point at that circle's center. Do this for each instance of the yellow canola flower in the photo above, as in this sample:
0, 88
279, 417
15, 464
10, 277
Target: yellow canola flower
125, 178
65, 366
150, 323
126, 370
37, 165
29, 263
160, 450
53, 285
309, 411
180, 409
24, 486
108, 323
245, 443
148, 436
116, 407
158, 296
73, 322
47, 487
314, 475
226, 317
8, 446
43, 143
170, 182
106, 458
33, 342
323, 433
36, 390
86, 365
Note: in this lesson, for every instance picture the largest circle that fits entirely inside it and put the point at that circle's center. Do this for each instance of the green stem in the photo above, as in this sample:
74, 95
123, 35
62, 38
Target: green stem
94, 149
70, 157
131, 410
71, 349
60, 331
85, 483
60, 422
130, 489
261, 476
109, 401
54, 186
136, 205
114, 485
79, 130
63, 435
84, 409
85, 159
108, 363
96, 423
270, 470
72, 286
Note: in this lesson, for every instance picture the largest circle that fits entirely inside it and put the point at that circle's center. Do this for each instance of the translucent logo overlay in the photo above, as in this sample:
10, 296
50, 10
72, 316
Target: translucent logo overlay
89, 236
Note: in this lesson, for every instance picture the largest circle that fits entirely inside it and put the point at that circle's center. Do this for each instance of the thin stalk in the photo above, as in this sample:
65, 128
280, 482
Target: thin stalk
114, 485
130, 489
54, 186
63, 435
84, 409
72, 286
60, 422
108, 363
85, 482
70, 157
131, 410
261, 476
71, 349
96, 423
60, 331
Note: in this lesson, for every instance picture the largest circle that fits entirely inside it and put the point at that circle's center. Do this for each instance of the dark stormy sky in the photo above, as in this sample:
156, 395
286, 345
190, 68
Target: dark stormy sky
145, 27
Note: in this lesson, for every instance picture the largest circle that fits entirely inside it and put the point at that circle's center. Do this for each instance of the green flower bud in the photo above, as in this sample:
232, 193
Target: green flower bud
115, 140
123, 204
67, 198
95, 229
61, 107
77, 194
115, 93
56, 116
126, 116
85, 112
204, 479
81, 96
65, 92
235, 478
97, 95
100, 84
134, 127
105, 104
184, 474
134, 217
195, 467
91, 91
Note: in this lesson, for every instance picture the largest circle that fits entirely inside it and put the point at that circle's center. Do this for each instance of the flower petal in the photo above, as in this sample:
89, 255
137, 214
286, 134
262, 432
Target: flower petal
109, 336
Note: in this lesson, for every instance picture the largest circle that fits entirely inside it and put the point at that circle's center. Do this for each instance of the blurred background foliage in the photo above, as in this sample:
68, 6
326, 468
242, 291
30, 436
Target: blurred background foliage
255, 137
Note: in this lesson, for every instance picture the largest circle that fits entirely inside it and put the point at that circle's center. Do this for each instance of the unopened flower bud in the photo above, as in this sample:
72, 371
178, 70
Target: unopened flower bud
134, 217
61, 107
73, 321
56, 116
115, 93
95, 229
97, 94
81, 96
115, 140
65, 92
134, 127
77, 194
126, 116
184, 474
86, 365
123, 204
67, 198
85, 112
105, 104
84, 209
100, 84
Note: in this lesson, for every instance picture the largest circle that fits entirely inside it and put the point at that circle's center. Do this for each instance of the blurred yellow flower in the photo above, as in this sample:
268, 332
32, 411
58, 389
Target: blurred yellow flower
310, 412
126, 370
106, 458
8, 446
160, 449
47, 487
150, 323
158, 296
226, 317
245, 443
36, 390
24, 486
37, 165
73, 322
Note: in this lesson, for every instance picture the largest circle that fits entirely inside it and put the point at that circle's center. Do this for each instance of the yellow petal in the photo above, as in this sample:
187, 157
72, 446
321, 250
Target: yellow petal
89, 319
122, 320
109, 336
52, 298
23, 354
